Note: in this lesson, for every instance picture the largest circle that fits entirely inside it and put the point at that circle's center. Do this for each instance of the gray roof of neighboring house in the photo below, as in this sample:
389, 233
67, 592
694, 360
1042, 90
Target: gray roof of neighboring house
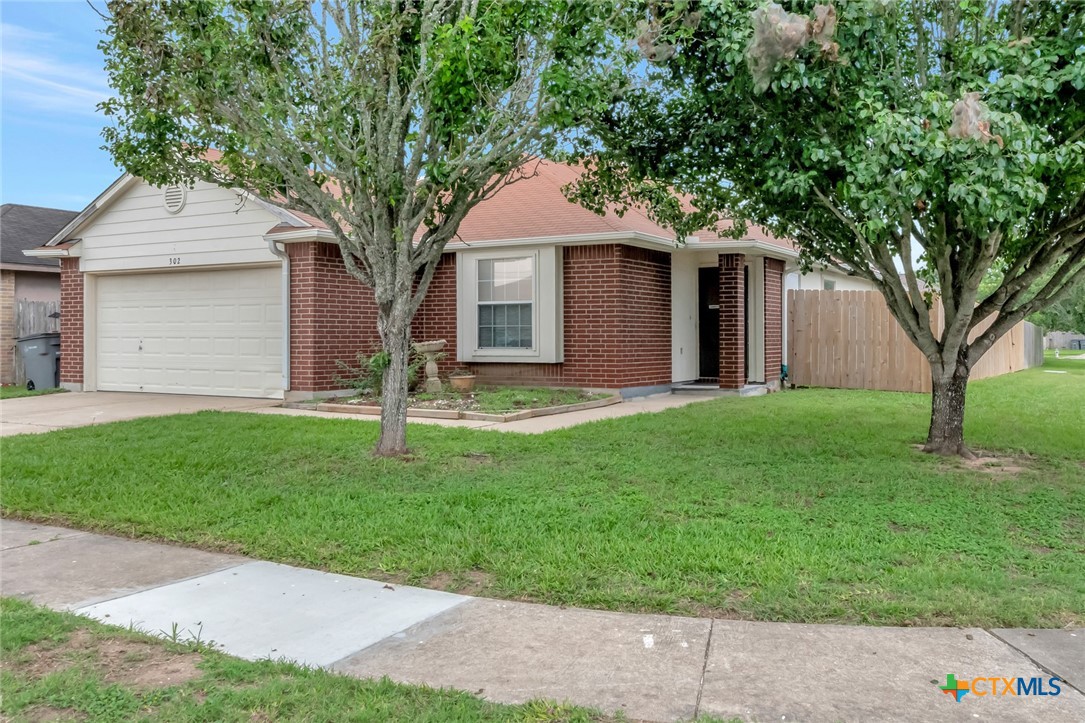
28, 227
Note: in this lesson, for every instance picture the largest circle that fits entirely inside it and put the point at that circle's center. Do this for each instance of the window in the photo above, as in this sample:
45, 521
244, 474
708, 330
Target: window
509, 305
829, 285
506, 290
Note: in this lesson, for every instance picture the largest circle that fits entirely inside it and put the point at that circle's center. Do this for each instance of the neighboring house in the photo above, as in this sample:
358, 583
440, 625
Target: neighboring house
213, 291
1064, 340
22, 277
824, 279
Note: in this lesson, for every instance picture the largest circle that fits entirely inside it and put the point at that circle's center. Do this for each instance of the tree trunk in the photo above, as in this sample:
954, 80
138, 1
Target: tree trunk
949, 385
396, 338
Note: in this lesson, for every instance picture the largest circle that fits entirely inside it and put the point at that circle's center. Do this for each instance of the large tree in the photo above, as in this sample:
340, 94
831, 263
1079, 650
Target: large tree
899, 141
387, 120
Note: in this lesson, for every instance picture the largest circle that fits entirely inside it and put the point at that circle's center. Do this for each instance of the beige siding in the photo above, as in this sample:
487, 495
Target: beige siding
213, 228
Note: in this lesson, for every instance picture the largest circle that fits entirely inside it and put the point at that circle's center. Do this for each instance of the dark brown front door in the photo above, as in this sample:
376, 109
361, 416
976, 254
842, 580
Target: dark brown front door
708, 322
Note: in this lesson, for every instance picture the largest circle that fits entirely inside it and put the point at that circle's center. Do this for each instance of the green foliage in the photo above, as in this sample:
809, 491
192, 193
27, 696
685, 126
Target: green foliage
366, 376
868, 146
1065, 315
387, 120
716, 506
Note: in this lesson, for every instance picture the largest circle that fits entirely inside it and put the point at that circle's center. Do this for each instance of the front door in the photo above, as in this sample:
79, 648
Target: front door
708, 322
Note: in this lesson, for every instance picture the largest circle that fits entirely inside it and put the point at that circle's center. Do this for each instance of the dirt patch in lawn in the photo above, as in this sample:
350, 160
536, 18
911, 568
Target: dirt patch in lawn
131, 663
996, 465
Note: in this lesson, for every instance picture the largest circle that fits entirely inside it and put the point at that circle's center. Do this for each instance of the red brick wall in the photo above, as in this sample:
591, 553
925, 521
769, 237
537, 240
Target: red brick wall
71, 322
645, 317
617, 322
732, 321
436, 317
617, 319
774, 319
333, 316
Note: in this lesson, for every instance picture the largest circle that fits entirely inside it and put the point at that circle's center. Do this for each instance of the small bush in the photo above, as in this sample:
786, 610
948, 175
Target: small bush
366, 375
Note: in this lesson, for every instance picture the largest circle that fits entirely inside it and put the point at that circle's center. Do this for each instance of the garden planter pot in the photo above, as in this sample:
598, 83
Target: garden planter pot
462, 384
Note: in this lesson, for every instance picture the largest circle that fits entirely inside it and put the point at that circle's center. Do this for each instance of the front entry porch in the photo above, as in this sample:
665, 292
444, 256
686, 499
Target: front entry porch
727, 321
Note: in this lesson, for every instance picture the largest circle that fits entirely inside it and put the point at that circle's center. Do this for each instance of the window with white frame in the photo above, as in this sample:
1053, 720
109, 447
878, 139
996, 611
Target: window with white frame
509, 305
506, 296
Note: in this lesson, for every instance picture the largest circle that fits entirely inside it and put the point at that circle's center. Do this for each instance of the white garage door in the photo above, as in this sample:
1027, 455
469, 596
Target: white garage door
191, 332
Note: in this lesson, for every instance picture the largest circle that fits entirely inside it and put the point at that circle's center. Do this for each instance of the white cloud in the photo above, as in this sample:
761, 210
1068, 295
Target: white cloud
35, 78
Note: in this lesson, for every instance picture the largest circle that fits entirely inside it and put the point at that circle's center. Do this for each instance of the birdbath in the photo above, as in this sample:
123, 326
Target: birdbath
431, 349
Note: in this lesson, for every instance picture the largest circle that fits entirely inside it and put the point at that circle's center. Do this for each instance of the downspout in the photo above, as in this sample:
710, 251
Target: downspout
274, 248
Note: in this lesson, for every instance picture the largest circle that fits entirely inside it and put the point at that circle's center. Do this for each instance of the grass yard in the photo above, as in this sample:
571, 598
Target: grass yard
58, 666
17, 392
809, 505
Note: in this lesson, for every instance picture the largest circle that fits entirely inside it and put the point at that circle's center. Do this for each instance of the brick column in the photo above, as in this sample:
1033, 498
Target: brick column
7, 326
774, 320
71, 323
732, 321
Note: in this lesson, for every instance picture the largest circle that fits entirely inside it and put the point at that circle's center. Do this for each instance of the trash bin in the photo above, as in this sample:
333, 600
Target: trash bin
41, 359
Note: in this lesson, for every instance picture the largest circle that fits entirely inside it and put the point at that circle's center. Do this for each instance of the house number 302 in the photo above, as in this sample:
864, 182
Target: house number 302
175, 261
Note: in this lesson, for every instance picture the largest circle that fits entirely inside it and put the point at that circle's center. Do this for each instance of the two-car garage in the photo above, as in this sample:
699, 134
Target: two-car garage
191, 332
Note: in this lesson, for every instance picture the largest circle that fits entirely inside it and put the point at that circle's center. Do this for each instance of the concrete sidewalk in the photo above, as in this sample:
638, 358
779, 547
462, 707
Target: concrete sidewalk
651, 667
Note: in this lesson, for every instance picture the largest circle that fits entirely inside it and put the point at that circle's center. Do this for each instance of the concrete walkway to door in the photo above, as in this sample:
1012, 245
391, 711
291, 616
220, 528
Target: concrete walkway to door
48, 412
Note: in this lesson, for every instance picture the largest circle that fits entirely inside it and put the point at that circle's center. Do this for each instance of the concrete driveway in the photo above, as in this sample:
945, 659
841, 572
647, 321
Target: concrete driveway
32, 415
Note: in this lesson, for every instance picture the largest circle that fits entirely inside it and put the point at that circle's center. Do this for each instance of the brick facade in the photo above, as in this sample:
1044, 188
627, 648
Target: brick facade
333, 316
732, 321
617, 319
774, 320
71, 322
436, 317
7, 327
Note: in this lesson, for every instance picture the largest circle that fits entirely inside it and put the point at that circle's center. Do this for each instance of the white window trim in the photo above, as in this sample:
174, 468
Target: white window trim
546, 306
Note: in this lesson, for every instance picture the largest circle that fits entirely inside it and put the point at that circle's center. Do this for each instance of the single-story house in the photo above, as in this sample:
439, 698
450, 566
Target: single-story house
210, 290
24, 277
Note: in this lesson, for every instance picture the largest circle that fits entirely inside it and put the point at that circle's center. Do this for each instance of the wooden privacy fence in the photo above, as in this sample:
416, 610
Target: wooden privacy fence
849, 340
32, 317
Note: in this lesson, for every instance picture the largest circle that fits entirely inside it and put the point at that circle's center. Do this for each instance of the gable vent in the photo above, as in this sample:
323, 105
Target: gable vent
173, 198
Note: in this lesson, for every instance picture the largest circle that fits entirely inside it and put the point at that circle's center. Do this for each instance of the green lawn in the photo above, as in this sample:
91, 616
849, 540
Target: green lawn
808, 505
59, 666
16, 392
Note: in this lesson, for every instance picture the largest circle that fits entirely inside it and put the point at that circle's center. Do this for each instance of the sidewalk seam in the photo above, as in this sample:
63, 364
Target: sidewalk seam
331, 666
39, 543
83, 604
704, 668
1033, 660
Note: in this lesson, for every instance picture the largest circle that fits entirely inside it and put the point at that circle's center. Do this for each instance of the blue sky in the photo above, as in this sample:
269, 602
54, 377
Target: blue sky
52, 79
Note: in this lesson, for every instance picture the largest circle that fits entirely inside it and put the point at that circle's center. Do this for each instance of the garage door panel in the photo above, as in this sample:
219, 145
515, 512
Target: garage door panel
194, 332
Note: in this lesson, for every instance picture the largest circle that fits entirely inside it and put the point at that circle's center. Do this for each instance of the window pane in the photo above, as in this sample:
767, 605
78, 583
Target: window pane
485, 270
505, 326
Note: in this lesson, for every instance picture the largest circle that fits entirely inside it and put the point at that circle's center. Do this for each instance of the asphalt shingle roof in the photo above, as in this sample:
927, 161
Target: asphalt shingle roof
28, 227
